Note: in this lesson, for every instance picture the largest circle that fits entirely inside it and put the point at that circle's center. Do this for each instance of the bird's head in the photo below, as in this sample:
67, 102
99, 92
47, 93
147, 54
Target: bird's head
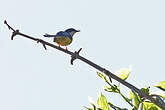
72, 31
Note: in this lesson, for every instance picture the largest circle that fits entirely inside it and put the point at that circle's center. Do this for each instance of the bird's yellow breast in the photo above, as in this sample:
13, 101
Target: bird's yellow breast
63, 41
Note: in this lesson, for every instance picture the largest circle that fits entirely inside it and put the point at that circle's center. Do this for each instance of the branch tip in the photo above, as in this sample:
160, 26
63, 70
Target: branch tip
5, 22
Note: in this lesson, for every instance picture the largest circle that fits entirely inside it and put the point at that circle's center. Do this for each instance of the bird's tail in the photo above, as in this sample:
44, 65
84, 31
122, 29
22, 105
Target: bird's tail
48, 35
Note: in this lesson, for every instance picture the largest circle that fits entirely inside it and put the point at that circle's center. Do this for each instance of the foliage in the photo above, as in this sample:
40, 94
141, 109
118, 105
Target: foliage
149, 106
134, 100
161, 85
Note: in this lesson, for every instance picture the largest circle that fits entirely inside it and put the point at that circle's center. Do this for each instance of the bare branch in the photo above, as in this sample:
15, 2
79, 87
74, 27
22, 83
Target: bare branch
75, 55
5, 22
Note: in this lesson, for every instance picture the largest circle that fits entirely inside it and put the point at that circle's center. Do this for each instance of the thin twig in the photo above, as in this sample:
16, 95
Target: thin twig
75, 55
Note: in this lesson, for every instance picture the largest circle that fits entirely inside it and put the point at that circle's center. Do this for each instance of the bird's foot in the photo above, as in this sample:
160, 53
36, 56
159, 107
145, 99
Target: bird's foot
66, 49
59, 45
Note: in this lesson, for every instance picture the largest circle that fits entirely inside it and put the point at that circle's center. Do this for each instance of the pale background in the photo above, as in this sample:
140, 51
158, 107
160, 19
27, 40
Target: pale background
114, 34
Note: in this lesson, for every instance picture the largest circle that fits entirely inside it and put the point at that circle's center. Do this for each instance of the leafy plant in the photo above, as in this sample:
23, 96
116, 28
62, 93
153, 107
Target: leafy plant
135, 101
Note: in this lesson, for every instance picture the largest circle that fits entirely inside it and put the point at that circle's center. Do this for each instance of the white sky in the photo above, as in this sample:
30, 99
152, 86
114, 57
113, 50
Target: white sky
114, 34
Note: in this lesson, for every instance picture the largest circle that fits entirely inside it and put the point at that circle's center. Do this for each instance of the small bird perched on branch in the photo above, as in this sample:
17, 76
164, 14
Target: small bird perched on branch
63, 38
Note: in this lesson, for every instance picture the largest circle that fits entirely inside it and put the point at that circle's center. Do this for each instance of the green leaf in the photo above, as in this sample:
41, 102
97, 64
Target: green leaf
130, 94
102, 76
88, 108
113, 88
135, 99
149, 106
123, 73
108, 89
145, 90
102, 103
161, 85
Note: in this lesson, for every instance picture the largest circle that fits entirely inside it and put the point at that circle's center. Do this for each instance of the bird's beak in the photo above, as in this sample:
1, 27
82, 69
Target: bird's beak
77, 30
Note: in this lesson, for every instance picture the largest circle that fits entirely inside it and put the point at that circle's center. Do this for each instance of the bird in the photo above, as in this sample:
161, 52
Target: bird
63, 38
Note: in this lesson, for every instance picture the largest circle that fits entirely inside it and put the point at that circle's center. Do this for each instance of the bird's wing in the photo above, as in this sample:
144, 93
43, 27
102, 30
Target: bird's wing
63, 34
